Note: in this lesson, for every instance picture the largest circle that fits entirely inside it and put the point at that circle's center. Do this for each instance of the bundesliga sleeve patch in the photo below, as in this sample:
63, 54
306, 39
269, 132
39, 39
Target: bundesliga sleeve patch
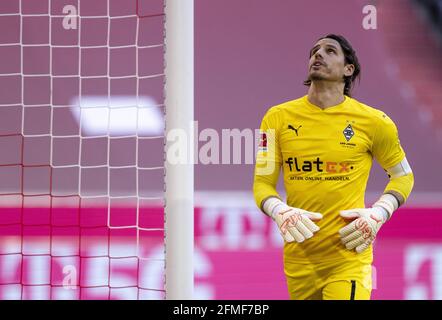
263, 142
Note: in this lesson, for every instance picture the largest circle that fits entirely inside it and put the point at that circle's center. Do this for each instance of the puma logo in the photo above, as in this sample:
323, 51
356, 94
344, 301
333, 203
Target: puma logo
294, 129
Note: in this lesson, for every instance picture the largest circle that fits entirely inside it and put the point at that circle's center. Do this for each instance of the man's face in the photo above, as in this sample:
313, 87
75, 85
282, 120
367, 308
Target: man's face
327, 62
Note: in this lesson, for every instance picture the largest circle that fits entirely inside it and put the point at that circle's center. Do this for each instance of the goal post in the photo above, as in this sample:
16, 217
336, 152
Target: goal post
179, 179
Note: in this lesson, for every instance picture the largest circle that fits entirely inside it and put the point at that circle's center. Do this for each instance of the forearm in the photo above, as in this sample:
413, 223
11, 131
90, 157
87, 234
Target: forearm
264, 189
398, 189
265, 181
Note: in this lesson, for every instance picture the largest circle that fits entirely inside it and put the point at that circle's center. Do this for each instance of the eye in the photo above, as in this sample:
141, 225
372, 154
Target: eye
313, 51
331, 50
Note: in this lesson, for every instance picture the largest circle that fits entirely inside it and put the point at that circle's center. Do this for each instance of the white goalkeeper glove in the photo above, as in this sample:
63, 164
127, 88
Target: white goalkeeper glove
361, 232
294, 224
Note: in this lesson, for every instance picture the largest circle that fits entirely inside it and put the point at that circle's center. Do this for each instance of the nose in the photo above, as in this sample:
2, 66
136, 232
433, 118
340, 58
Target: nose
318, 54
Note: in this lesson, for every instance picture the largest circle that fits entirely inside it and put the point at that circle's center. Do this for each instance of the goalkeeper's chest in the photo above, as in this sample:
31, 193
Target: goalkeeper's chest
341, 139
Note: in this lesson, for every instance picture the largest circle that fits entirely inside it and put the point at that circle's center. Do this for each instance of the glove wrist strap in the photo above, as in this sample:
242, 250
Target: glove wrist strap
273, 205
387, 202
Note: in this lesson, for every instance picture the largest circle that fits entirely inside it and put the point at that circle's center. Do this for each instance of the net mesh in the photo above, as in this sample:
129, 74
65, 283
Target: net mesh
81, 134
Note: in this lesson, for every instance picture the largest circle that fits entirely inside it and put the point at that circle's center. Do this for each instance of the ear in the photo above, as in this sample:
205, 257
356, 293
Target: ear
348, 70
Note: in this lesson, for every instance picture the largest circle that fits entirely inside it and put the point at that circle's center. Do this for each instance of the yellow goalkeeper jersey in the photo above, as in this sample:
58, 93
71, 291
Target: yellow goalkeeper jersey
326, 157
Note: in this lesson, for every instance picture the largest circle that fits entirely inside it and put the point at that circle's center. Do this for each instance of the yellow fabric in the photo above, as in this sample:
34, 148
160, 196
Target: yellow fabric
329, 281
403, 185
326, 156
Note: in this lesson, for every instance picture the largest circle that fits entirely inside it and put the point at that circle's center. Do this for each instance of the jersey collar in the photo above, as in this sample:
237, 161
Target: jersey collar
314, 107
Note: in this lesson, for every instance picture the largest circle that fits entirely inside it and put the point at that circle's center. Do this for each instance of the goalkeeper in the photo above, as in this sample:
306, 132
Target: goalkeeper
325, 143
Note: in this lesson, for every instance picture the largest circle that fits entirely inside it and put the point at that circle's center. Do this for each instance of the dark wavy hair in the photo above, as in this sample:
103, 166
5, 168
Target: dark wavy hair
350, 58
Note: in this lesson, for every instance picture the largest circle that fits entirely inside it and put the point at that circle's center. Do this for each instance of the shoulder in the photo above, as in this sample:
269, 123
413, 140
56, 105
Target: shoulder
278, 110
377, 116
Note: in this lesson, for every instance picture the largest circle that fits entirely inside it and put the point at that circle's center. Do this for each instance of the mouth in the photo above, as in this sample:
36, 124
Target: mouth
317, 64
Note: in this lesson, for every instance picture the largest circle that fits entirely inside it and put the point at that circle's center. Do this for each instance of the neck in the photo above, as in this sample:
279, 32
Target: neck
325, 94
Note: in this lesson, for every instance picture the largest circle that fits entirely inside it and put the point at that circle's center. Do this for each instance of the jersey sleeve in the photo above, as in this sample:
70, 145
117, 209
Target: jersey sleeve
268, 159
386, 148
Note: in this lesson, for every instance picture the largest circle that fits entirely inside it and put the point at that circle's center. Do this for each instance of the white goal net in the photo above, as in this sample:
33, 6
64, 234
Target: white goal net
82, 139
